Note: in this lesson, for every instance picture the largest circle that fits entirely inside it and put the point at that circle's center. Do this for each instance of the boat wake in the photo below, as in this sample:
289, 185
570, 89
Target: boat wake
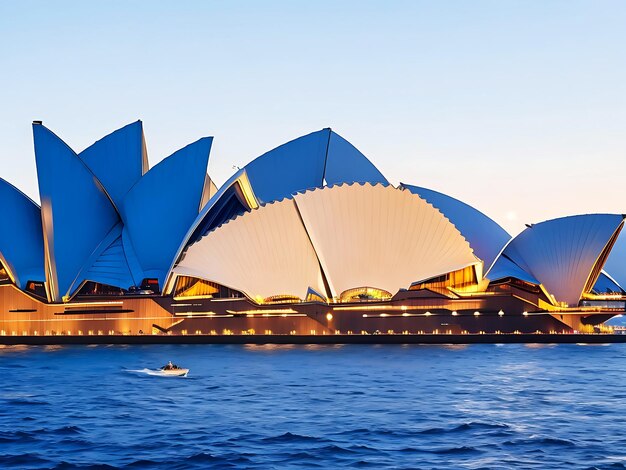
155, 372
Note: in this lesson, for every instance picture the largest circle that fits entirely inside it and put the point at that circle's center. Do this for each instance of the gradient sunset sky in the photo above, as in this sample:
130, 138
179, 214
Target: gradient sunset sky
517, 108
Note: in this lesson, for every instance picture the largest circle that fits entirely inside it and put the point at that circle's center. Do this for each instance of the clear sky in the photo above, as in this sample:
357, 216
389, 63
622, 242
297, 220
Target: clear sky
517, 108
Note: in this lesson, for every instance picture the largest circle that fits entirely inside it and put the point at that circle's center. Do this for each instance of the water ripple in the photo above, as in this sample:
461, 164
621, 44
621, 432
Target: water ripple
400, 407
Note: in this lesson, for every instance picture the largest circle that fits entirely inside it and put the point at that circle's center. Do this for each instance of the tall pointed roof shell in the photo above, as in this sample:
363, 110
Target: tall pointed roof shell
160, 208
118, 160
76, 211
309, 162
21, 239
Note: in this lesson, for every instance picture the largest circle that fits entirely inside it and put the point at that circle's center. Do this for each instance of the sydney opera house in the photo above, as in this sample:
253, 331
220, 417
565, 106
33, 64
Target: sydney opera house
308, 239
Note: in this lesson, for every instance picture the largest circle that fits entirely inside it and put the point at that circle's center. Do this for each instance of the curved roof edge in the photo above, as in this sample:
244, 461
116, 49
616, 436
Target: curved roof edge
606, 284
616, 262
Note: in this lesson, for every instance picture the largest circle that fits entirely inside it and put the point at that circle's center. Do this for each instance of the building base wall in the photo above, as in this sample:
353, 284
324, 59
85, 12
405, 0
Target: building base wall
408, 314
317, 339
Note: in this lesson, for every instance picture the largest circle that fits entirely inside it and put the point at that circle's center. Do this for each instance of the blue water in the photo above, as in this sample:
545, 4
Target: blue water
480, 406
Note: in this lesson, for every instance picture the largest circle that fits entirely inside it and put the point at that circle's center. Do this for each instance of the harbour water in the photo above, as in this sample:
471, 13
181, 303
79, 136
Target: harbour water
478, 406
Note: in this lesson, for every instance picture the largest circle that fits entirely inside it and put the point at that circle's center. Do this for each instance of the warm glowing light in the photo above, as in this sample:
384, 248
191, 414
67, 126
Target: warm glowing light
428, 314
476, 314
94, 304
501, 313
381, 307
329, 316
194, 314
260, 311
454, 314
525, 314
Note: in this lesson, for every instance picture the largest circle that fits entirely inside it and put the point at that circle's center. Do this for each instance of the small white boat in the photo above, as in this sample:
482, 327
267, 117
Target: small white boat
173, 370
178, 372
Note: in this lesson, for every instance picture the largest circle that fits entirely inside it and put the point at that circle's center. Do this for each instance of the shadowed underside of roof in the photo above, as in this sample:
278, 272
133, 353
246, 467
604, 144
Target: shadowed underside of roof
110, 265
504, 268
616, 262
607, 285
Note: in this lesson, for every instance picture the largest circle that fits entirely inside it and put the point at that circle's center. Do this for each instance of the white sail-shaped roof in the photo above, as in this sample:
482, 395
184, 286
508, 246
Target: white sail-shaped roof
380, 236
565, 254
263, 253
354, 235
